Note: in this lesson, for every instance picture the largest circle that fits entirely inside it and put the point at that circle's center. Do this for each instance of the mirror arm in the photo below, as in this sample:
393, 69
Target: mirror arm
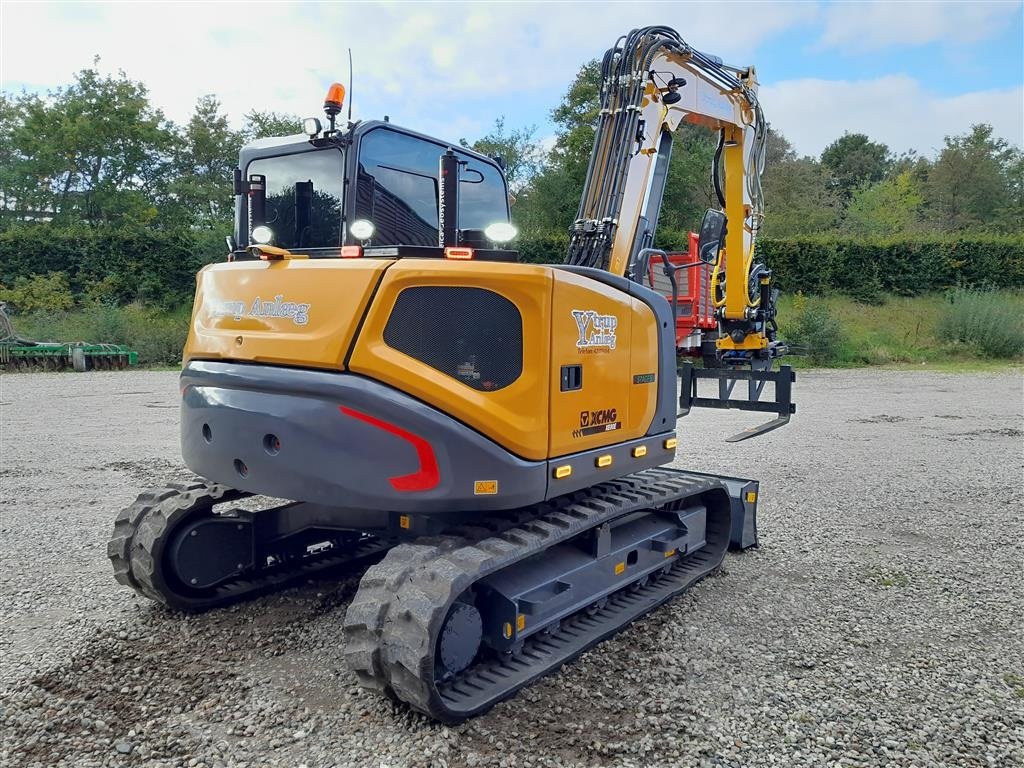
643, 259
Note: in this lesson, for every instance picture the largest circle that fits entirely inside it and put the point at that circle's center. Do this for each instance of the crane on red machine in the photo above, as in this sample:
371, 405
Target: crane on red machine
653, 82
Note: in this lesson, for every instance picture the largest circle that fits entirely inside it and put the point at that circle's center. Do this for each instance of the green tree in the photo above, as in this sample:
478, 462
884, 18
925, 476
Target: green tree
38, 293
16, 187
552, 200
576, 117
689, 189
517, 147
203, 165
801, 198
1013, 213
777, 149
975, 183
855, 160
263, 124
97, 149
891, 206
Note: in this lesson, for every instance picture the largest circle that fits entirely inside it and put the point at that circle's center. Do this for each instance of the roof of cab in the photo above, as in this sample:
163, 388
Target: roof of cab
266, 147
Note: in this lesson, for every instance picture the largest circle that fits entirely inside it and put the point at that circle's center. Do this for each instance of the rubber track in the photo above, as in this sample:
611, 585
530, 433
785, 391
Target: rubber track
393, 622
142, 530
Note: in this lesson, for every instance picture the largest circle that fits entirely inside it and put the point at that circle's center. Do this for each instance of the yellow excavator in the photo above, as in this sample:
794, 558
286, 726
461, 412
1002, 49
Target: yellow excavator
490, 437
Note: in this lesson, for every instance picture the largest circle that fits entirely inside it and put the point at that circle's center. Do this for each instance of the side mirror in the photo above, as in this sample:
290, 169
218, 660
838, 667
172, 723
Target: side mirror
712, 236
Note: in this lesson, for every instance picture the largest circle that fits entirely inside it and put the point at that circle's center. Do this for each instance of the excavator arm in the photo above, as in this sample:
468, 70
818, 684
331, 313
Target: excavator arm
653, 82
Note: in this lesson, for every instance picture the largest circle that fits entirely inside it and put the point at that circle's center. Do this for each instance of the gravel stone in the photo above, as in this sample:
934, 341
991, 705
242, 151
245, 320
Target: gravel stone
878, 624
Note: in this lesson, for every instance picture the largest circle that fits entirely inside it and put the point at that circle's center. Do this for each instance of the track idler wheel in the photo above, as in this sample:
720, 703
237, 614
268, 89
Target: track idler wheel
156, 548
459, 640
209, 550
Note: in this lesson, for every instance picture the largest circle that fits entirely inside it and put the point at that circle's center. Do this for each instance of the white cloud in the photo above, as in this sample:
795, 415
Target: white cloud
418, 63
869, 26
449, 70
897, 110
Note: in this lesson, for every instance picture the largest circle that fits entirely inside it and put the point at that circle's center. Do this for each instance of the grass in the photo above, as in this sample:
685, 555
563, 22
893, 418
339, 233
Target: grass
957, 331
903, 331
980, 319
158, 336
885, 578
1015, 683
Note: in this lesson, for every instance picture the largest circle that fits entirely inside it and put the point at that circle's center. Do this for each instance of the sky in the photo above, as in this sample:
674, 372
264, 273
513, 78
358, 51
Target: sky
905, 73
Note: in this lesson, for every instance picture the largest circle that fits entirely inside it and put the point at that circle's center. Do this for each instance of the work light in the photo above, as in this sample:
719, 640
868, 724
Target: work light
362, 229
500, 232
262, 234
311, 127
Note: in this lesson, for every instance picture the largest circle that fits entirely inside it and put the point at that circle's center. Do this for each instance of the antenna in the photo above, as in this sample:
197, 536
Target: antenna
350, 85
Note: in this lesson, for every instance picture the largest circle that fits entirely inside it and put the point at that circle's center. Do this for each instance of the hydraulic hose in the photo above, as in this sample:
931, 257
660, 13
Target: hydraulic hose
716, 168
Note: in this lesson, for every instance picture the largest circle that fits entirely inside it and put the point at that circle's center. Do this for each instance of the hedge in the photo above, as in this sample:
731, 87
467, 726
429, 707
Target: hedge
158, 267
904, 266
119, 266
858, 267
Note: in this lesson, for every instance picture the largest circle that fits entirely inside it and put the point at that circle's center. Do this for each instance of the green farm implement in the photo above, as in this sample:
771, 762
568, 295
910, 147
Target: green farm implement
18, 354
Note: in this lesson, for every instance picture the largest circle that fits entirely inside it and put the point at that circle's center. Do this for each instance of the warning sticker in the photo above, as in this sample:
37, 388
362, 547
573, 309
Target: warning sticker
485, 488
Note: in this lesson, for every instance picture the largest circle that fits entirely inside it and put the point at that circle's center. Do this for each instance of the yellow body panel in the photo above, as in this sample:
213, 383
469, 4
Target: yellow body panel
515, 416
613, 337
291, 312
644, 362
306, 313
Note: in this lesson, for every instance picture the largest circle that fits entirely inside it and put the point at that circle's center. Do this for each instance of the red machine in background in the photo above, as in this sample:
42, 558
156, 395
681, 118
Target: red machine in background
696, 327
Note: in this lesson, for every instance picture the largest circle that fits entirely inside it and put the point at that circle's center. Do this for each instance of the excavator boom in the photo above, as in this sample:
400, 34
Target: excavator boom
652, 83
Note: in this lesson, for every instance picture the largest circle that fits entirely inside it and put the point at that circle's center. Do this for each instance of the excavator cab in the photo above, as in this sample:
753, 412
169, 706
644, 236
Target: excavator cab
369, 185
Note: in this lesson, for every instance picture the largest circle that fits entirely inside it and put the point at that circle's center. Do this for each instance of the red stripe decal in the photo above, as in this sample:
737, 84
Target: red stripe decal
428, 475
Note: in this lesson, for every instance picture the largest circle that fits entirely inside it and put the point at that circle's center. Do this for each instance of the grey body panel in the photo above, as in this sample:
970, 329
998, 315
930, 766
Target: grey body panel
744, 513
665, 414
331, 458
586, 473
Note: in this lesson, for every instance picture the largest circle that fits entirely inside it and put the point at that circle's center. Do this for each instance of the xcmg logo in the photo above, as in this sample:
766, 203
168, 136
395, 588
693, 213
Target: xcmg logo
594, 422
598, 418
596, 331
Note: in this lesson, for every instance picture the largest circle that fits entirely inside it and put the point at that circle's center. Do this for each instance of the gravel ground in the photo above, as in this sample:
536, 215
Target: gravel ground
879, 623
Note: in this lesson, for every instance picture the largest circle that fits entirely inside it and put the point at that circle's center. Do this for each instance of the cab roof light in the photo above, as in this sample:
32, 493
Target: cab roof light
351, 251
311, 127
334, 99
459, 254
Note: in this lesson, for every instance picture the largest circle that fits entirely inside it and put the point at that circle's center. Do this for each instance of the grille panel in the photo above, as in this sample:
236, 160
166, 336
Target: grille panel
471, 334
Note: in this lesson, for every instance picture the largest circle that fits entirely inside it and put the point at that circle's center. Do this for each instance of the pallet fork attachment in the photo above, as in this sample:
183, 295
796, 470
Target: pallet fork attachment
727, 378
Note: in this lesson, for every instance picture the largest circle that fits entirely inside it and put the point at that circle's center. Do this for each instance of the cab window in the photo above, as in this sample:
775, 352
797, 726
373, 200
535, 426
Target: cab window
397, 189
304, 197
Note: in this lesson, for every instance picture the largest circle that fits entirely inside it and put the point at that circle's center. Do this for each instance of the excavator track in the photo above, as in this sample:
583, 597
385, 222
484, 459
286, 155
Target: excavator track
143, 530
394, 622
